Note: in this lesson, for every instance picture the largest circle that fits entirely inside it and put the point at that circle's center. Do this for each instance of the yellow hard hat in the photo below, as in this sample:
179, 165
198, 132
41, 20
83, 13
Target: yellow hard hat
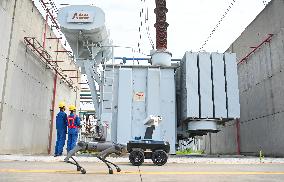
61, 104
72, 108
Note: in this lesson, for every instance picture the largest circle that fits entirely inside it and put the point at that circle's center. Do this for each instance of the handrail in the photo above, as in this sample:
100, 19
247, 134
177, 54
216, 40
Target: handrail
268, 39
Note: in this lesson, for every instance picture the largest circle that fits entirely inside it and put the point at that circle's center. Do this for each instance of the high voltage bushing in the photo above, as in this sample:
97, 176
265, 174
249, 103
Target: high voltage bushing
161, 25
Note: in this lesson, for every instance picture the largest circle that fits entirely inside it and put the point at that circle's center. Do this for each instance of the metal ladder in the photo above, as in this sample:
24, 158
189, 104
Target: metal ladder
107, 95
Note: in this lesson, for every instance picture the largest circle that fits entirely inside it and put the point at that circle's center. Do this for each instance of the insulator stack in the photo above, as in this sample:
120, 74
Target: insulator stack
161, 25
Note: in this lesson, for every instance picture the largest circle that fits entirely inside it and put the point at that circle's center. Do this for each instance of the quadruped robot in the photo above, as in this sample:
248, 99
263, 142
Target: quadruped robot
104, 149
139, 149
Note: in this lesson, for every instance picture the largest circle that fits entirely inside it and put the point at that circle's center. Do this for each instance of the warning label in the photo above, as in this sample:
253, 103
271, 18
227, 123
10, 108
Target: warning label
139, 97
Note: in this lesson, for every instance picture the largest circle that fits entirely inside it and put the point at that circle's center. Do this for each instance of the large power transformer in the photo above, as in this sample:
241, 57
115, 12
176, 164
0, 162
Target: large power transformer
192, 97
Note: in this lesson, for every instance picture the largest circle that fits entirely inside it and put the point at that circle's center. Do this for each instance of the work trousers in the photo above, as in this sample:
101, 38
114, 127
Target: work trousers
72, 140
60, 142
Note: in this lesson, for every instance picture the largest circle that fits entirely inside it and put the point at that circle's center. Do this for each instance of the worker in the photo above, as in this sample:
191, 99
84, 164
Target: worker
73, 123
61, 121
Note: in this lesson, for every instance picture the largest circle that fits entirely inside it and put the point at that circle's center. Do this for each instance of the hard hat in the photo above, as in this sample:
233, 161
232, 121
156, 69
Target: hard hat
61, 104
72, 108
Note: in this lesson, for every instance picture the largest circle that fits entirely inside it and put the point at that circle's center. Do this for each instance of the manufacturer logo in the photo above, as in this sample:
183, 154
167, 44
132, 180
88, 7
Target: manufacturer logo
80, 17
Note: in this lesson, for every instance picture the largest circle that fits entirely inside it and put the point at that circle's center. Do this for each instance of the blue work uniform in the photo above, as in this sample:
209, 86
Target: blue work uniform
73, 123
61, 120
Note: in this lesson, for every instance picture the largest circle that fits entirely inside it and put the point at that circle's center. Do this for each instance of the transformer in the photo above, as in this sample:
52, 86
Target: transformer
131, 94
192, 97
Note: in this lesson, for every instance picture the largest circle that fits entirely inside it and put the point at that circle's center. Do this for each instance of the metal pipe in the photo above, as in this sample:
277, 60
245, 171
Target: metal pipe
45, 30
62, 51
238, 136
112, 54
69, 70
51, 38
53, 107
55, 61
125, 58
52, 114
140, 59
255, 48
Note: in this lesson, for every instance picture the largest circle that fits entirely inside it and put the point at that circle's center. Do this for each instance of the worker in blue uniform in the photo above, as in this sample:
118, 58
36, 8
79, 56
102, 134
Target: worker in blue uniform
73, 123
61, 121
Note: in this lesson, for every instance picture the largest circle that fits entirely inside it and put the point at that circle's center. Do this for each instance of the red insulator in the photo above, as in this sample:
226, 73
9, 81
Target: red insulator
161, 25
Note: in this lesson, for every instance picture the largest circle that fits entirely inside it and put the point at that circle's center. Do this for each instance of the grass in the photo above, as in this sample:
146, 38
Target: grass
189, 151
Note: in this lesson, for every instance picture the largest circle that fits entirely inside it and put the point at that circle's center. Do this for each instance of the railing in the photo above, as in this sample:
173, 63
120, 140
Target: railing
268, 39
44, 56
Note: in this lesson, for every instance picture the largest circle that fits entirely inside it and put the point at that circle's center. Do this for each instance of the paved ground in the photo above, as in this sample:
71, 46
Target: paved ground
29, 168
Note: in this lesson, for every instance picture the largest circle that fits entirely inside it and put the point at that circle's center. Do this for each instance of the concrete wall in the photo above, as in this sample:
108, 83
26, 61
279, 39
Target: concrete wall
261, 81
26, 85
223, 142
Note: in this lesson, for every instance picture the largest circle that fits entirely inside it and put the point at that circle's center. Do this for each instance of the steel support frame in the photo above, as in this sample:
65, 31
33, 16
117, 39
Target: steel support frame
93, 76
92, 85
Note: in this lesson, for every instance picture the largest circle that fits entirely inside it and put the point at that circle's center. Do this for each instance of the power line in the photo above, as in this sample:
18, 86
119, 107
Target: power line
232, 3
144, 25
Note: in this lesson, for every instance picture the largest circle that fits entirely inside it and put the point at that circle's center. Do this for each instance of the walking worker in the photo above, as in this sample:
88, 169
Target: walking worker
73, 123
61, 121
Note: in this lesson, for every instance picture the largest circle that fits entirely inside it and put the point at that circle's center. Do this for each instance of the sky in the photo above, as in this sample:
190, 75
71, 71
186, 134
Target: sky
190, 23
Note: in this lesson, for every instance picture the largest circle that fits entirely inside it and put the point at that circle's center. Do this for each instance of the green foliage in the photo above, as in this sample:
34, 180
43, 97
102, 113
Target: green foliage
261, 156
189, 151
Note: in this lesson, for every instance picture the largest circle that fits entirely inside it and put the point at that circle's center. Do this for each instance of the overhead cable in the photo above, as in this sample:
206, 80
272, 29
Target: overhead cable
232, 3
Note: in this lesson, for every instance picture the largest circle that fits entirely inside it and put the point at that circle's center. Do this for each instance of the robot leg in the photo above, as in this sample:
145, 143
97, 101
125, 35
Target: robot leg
79, 147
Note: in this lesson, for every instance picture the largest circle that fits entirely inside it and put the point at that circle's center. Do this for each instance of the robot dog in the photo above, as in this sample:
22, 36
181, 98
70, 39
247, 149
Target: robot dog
104, 149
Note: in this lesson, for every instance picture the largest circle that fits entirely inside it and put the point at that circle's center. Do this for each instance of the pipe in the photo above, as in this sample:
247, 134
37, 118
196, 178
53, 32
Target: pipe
210, 144
45, 31
127, 59
52, 107
52, 114
140, 59
238, 136
255, 48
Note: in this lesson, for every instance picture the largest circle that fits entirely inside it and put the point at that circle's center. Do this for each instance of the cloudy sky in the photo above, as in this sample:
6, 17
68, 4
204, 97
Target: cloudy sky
190, 23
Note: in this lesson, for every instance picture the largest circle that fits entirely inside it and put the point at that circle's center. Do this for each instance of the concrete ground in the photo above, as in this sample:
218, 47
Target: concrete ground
42, 168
